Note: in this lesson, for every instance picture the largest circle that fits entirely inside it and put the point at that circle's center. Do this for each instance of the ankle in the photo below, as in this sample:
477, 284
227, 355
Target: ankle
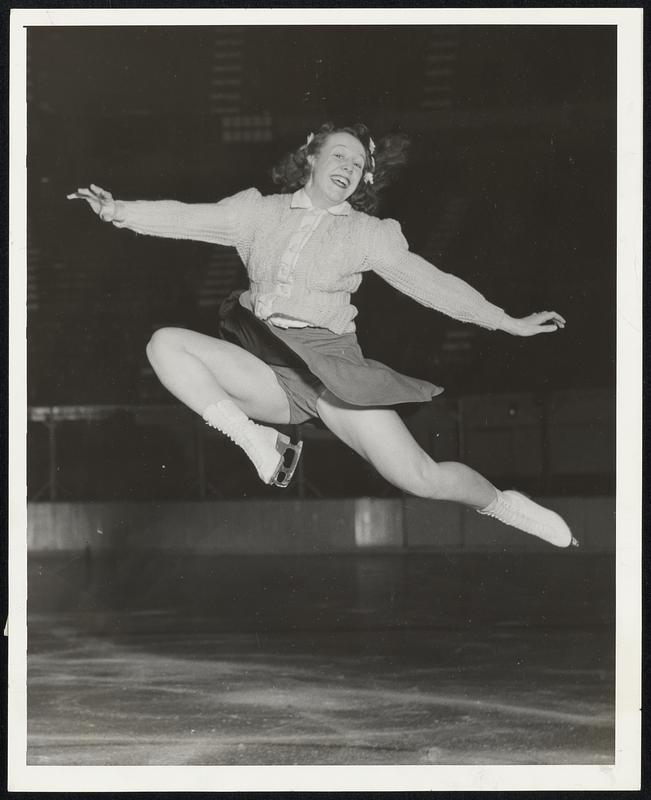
492, 505
221, 411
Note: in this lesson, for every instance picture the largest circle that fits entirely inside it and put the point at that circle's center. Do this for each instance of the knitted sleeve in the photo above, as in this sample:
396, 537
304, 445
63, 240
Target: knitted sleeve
228, 222
390, 258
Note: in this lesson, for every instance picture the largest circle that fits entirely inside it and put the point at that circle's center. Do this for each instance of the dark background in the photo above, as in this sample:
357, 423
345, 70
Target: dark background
510, 185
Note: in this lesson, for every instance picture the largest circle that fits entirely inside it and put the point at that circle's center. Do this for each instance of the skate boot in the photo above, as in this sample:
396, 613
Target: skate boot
519, 511
266, 447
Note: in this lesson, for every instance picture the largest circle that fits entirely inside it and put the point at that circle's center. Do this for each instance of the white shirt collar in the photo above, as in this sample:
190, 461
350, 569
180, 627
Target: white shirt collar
301, 199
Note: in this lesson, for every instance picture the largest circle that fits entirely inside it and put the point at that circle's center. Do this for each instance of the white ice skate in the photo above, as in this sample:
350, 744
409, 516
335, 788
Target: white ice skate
266, 447
515, 509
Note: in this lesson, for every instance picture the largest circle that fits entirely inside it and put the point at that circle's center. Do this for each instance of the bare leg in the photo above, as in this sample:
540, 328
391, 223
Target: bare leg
226, 385
381, 437
200, 370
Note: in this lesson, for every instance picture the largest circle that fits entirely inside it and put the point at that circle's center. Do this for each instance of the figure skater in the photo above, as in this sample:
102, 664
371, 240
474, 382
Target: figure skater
288, 351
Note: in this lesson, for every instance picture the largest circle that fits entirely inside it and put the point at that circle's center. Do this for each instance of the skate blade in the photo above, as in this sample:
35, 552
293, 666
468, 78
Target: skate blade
285, 472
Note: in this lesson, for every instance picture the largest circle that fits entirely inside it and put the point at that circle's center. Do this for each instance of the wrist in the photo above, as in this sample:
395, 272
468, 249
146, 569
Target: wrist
119, 211
508, 324
511, 325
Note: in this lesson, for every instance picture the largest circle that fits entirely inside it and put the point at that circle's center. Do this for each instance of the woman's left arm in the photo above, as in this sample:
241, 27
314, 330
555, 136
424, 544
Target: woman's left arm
389, 256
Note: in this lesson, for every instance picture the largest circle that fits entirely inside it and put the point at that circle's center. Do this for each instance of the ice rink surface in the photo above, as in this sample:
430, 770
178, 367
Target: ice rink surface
334, 660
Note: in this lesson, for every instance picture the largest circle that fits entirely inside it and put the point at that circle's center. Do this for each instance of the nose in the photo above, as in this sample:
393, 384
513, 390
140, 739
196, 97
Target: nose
348, 166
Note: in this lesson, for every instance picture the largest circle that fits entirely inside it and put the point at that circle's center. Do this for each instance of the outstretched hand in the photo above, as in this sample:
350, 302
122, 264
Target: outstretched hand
98, 199
540, 322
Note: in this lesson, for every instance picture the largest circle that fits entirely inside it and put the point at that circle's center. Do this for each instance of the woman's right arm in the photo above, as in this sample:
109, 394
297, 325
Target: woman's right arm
216, 223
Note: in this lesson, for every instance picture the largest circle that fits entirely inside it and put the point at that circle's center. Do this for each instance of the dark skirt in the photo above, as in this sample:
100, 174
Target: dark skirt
319, 359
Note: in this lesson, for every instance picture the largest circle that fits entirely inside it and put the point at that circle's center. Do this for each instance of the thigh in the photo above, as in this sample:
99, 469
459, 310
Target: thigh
382, 438
249, 381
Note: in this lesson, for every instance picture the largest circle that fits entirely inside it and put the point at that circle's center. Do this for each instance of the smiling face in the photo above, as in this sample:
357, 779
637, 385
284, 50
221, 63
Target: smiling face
336, 170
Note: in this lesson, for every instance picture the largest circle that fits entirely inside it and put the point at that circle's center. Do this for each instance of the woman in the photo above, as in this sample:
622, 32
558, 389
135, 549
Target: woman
288, 350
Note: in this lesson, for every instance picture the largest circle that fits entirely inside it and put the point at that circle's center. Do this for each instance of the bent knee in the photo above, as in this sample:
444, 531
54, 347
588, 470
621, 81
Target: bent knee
423, 479
163, 341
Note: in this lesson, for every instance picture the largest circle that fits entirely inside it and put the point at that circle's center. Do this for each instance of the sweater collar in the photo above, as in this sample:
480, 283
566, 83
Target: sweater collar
301, 199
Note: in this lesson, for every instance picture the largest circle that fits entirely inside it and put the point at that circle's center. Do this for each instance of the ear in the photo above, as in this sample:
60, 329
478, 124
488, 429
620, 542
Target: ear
310, 161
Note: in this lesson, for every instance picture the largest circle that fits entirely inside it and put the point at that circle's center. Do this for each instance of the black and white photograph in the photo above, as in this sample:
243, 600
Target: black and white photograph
325, 389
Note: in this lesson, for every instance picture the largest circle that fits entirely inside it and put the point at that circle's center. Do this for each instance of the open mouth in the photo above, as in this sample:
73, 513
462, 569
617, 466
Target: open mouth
342, 183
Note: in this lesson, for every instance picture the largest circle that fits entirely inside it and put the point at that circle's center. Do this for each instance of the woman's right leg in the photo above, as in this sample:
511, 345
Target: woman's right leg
200, 370
227, 386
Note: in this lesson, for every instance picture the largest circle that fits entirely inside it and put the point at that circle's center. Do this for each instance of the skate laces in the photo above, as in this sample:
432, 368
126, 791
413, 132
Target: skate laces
242, 433
517, 516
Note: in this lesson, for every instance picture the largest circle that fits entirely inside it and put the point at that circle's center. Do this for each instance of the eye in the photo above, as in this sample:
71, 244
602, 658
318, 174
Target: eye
338, 155
358, 165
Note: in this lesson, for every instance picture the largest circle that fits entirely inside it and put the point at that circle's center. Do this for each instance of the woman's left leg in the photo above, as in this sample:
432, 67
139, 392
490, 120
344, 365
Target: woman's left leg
382, 438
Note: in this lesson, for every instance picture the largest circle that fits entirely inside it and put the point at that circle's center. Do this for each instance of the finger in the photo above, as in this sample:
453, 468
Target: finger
550, 316
534, 330
546, 328
89, 198
101, 192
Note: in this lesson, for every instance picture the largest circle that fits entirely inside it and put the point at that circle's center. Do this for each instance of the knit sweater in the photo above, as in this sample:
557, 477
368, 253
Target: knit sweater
329, 267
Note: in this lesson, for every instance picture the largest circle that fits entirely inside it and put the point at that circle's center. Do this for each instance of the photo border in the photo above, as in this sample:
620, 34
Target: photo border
625, 773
